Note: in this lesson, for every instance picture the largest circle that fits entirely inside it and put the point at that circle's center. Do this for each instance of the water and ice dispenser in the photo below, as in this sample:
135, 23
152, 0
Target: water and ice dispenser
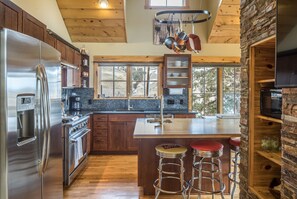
25, 118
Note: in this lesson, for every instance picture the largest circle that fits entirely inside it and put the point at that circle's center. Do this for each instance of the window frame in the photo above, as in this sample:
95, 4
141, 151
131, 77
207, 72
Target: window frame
148, 5
128, 81
220, 83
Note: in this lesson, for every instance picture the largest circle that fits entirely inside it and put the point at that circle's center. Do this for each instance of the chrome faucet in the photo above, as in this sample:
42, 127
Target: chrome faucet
129, 106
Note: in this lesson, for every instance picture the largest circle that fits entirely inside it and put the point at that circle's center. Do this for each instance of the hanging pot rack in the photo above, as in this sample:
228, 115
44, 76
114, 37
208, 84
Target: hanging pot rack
185, 16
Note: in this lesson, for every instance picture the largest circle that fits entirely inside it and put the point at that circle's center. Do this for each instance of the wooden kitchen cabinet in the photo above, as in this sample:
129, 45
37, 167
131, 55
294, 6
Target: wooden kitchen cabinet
76, 73
11, 16
188, 115
61, 47
114, 132
50, 40
33, 27
100, 128
89, 137
177, 71
132, 144
117, 136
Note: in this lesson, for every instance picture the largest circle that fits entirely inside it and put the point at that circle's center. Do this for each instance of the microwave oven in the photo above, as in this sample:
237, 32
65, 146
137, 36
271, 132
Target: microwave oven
271, 102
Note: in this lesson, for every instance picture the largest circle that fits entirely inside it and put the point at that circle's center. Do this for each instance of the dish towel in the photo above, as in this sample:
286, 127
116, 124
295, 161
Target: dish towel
78, 151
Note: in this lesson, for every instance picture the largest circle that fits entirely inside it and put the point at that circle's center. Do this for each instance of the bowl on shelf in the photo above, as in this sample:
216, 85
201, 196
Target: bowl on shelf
178, 63
183, 74
175, 74
184, 63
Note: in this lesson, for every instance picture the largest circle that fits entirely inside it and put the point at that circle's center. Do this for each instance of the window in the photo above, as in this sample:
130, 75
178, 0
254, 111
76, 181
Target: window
231, 90
205, 90
133, 80
166, 4
216, 90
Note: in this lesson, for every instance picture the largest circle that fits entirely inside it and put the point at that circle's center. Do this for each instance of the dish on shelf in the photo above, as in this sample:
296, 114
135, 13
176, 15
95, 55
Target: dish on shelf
183, 74
172, 83
178, 63
184, 63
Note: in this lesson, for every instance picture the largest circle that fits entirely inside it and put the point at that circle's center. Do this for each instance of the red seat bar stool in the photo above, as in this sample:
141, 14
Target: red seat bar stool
235, 146
209, 153
171, 151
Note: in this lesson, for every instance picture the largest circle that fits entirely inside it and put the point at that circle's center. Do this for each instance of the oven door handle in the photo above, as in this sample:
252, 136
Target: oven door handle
74, 140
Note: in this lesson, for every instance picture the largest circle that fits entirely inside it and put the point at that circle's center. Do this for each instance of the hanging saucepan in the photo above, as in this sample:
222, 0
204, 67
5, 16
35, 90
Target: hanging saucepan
181, 37
170, 41
193, 43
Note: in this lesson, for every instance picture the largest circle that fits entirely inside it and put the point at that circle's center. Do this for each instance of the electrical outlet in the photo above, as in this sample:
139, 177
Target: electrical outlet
181, 101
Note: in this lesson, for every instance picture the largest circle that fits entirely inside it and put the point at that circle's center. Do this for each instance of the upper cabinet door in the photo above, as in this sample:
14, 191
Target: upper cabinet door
61, 47
10, 16
177, 71
33, 27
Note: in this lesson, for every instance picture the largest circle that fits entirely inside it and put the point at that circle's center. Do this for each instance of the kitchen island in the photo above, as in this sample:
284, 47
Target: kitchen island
180, 131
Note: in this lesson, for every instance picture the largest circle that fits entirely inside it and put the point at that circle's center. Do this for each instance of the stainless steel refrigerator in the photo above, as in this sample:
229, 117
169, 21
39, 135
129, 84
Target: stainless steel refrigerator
30, 116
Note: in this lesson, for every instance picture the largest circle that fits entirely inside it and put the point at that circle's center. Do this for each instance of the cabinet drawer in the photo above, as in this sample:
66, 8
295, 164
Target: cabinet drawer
100, 132
100, 125
99, 143
125, 117
100, 118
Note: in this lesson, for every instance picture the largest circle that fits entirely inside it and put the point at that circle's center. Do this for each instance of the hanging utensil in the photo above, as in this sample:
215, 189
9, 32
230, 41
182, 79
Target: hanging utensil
170, 41
193, 43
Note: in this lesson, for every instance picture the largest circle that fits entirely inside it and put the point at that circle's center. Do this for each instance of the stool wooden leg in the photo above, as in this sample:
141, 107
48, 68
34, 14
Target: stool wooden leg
235, 174
221, 178
157, 192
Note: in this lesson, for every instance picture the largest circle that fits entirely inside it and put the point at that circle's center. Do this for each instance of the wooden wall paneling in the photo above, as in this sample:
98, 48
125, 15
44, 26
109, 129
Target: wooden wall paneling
160, 59
11, 16
92, 13
262, 168
33, 27
89, 4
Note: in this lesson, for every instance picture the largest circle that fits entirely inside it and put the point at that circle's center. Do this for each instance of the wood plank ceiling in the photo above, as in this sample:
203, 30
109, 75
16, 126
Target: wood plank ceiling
226, 27
86, 22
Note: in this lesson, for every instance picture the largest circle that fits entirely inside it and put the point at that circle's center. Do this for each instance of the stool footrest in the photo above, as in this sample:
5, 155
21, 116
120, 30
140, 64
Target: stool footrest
231, 178
204, 191
184, 189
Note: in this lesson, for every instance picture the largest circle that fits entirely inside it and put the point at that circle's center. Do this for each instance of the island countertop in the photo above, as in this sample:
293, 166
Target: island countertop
187, 128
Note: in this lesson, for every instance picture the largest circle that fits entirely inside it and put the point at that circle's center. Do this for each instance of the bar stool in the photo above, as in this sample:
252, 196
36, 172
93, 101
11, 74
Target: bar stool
171, 151
208, 152
235, 146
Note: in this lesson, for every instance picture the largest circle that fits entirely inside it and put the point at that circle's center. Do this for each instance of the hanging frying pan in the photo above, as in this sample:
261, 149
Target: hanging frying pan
193, 43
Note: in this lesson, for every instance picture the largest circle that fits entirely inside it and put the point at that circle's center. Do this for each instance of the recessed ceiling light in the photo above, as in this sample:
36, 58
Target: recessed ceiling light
103, 3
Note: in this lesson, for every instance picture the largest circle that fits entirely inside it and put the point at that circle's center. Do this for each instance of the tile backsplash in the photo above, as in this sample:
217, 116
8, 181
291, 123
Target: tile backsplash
171, 102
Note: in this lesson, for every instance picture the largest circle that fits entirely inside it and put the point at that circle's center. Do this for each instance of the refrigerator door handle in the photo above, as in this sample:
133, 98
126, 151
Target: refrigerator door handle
46, 116
40, 83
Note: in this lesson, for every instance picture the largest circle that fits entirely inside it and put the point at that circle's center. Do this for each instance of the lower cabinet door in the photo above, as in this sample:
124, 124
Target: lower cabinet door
117, 136
99, 143
132, 144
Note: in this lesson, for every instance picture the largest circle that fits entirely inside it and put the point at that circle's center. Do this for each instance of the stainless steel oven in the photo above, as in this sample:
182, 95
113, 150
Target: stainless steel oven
75, 148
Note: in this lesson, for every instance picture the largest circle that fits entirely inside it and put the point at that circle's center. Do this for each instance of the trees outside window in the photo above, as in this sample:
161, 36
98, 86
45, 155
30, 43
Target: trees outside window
206, 88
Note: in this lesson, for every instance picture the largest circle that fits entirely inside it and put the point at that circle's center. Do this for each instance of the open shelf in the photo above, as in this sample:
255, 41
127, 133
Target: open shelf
177, 67
262, 192
177, 77
275, 157
266, 81
269, 119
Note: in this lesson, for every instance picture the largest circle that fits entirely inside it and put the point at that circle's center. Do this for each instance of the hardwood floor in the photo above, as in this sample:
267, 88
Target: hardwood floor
111, 177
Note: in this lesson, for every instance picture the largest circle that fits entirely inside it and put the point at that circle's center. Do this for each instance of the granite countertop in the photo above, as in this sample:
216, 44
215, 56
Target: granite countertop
187, 128
88, 112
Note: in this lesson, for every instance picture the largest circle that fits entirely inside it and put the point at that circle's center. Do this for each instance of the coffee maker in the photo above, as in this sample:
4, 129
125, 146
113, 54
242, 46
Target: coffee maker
75, 104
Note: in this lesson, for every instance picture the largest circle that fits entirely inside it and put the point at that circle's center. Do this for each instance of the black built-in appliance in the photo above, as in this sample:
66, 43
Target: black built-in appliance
75, 103
286, 68
271, 102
